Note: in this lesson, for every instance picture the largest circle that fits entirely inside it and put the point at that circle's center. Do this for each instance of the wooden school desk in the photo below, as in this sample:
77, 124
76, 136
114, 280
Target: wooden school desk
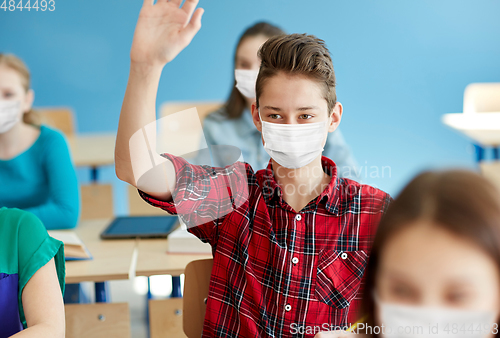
92, 150
482, 128
112, 259
123, 258
153, 259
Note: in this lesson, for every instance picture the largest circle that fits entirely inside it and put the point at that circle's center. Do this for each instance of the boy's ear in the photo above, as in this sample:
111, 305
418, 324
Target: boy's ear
255, 117
335, 117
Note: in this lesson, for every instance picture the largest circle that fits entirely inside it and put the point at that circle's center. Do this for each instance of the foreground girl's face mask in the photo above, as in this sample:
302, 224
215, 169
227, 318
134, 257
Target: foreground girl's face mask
416, 321
436, 281
294, 145
10, 114
245, 82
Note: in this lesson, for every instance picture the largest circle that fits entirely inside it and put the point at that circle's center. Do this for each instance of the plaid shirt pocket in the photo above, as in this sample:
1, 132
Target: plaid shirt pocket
339, 276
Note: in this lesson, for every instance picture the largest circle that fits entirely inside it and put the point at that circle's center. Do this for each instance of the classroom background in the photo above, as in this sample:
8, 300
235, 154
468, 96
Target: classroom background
400, 66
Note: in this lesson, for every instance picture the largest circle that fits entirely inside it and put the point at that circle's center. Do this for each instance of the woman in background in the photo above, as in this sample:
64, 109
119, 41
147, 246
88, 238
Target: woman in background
36, 172
31, 278
233, 125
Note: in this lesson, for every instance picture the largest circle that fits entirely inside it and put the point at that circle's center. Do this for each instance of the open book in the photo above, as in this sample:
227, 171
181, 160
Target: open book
182, 241
74, 249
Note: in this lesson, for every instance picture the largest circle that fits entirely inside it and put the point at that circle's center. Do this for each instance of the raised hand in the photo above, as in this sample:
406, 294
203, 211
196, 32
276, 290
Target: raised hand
163, 30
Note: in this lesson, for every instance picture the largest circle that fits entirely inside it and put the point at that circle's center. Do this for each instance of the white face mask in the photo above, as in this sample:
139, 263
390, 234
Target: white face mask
10, 114
245, 81
293, 145
401, 321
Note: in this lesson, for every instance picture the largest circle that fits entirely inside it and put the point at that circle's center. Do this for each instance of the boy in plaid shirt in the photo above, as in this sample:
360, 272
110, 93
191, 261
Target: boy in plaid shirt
290, 242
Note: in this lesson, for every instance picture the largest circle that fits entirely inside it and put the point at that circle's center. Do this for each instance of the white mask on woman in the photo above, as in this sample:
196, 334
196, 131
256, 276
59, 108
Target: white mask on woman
245, 81
293, 145
10, 114
401, 321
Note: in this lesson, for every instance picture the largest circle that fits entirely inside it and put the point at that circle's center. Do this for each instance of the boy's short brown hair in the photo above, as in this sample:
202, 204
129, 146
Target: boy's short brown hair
299, 54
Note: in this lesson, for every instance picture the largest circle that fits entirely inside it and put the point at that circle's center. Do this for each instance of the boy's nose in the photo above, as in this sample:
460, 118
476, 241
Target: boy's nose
291, 120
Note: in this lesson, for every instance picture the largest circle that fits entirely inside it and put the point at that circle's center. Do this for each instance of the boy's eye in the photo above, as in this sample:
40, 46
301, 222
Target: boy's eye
305, 116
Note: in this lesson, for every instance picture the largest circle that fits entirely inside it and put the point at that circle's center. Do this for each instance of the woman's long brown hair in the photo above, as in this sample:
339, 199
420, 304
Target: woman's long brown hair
461, 202
235, 104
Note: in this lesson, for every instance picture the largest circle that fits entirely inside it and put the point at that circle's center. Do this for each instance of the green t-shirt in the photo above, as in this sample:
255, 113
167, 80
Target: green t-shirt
25, 247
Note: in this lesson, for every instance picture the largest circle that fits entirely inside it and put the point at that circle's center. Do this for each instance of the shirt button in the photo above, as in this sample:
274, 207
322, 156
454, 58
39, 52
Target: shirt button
288, 307
298, 217
295, 260
343, 255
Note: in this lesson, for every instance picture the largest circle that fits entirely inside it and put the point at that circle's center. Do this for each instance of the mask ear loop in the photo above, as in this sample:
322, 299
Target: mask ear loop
262, 126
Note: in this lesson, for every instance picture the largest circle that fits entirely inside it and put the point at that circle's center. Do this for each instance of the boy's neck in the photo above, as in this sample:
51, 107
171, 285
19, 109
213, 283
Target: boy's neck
300, 186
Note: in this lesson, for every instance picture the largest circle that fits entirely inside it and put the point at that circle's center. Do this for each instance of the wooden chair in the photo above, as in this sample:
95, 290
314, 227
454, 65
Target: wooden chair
482, 98
139, 207
165, 318
97, 201
196, 284
100, 320
203, 107
170, 317
491, 170
181, 135
60, 118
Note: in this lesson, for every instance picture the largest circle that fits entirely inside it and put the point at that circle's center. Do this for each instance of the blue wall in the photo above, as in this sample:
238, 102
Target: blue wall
400, 65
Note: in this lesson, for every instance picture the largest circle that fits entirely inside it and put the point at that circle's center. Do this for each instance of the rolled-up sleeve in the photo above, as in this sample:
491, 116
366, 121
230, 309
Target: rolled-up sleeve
204, 195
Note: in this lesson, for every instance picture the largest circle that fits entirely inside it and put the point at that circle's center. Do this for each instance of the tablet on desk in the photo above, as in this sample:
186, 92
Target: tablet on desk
140, 227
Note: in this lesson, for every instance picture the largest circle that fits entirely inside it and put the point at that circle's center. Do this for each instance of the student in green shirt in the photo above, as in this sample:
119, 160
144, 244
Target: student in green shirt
31, 277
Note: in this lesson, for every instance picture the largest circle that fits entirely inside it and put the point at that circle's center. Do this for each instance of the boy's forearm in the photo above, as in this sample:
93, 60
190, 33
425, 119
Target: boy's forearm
163, 30
138, 110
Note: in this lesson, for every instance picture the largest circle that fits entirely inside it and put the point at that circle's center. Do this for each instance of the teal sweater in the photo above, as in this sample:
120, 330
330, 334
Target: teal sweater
42, 180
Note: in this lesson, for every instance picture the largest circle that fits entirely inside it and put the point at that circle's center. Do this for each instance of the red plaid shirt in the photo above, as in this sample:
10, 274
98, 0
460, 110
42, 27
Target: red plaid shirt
277, 272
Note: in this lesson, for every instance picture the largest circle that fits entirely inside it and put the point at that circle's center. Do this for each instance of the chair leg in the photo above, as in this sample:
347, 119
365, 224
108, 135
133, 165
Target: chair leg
94, 174
74, 294
102, 292
176, 293
176, 287
479, 153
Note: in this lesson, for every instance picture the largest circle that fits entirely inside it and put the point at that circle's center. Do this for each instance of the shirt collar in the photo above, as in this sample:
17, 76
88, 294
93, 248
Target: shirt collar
271, 189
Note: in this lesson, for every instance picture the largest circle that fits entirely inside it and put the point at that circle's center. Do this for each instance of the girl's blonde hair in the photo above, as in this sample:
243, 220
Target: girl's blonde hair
13, 62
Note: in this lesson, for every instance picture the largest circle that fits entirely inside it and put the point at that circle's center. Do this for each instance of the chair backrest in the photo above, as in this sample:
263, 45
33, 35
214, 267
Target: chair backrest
181, 135
482, 98
60, 118
97, 201
139, 207
100, 320
196, 284
491, 170
203, 107
165, 318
